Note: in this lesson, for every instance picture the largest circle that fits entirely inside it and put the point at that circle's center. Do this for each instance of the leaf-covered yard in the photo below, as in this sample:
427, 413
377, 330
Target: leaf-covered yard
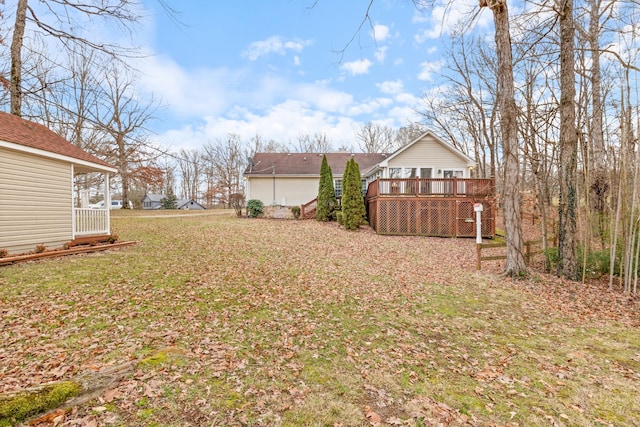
267, 323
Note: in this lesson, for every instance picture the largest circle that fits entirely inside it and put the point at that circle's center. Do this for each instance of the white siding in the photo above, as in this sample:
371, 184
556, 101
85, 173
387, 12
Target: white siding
296, 191
35, 202
429, 153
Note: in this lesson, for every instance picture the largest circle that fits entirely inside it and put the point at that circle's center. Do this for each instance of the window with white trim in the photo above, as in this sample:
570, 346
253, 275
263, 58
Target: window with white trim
450, 173
337, 186
395, 172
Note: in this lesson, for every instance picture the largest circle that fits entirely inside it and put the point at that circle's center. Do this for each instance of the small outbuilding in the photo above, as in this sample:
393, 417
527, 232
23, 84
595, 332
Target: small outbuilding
190, 204
38, 203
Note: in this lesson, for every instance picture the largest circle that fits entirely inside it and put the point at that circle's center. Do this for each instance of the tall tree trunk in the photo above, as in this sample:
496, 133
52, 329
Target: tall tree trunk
599, 188
15, 87
515, 264
567, 260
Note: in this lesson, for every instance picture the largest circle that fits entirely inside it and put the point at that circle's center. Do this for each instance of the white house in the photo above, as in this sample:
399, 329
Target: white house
290, 179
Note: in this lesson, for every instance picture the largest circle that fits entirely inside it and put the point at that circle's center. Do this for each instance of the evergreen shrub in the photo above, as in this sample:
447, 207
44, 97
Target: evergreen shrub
255, 208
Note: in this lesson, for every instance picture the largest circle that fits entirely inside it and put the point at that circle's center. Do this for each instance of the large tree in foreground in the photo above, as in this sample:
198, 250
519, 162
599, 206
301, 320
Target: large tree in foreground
63, 23
326, 193
515, 264
567, 258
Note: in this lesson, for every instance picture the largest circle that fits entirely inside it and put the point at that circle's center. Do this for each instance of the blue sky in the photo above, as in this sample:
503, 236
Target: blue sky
274, 68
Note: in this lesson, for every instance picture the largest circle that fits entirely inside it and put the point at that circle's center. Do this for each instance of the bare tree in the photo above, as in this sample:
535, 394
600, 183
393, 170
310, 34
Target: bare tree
227, 163
567, 213
124, 119
189, 162
408, 134
317, 143
464, 110
515, 264
257, 144
376, 138
60, 25
538, 111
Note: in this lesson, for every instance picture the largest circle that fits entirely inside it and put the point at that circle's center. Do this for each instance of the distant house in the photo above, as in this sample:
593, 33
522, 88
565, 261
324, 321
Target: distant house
290, 179
37, 172
190, 204
154, 201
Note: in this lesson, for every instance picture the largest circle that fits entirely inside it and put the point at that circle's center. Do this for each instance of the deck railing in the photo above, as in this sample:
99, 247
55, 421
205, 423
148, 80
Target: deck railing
308, 209
442, 187
91, 221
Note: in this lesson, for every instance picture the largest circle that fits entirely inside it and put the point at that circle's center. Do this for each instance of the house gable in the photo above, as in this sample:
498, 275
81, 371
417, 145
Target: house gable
430, 144
429, 151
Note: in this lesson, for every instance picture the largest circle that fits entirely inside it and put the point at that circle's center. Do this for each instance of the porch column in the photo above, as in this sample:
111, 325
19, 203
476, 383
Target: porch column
73, 207
107, 200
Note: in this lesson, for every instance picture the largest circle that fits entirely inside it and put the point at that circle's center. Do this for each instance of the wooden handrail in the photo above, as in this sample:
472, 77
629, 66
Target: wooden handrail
306, 207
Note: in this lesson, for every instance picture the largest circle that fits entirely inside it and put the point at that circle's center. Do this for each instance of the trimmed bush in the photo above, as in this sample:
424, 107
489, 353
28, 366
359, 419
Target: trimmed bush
326, 193
255, 208
295, 211
353, 209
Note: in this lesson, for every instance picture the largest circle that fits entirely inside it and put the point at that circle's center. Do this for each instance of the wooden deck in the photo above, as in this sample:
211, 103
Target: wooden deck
431, 207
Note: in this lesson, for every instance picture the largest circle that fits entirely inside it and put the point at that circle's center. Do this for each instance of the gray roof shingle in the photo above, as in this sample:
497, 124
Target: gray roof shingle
309, 163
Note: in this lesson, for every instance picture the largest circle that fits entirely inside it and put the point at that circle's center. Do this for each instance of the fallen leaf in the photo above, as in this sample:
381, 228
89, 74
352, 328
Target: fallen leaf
48, 418
373, 417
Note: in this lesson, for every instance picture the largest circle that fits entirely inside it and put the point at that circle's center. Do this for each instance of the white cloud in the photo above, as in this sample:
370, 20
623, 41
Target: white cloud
407, 99
380, 33
357, 67
187, 92
324, 98
404, 115
282, 122
370, 106
428, 69
381, 53
448, 16
274, 44
391, 87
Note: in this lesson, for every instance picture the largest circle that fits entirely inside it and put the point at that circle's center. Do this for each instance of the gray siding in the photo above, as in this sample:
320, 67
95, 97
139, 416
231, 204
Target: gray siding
35, 202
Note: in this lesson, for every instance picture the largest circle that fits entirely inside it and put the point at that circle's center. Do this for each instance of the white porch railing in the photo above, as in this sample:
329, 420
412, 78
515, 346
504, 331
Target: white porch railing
91, 221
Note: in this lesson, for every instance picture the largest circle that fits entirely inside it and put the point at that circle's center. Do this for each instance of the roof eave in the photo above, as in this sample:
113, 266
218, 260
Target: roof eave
94, 167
